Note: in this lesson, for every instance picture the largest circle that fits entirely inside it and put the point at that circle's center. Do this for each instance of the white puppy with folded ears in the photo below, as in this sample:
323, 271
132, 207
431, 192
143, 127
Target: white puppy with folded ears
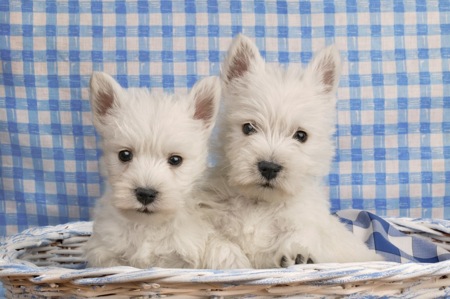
275, 145
154, 153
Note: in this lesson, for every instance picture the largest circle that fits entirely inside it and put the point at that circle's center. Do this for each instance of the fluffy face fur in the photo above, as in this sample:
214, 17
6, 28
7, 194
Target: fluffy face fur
170, 127
275, 145
154, 154
279, 105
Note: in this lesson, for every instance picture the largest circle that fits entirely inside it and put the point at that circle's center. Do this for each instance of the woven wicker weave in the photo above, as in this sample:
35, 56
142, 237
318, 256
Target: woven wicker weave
47, 262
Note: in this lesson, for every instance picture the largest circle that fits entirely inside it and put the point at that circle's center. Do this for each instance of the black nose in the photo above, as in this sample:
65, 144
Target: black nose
145, 196
269, 170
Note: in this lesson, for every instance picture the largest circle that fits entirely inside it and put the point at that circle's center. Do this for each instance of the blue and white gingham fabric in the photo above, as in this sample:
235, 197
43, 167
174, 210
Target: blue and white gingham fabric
393, 137
385, 239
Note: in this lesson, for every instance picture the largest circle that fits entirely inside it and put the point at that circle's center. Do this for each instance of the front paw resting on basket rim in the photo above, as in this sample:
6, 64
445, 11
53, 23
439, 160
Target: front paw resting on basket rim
299, 259
294, 254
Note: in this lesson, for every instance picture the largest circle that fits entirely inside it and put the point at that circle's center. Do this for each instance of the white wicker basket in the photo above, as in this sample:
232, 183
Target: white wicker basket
47, 262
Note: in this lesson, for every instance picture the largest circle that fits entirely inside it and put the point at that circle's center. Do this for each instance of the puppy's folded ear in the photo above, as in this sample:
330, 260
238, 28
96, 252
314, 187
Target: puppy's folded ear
324, 71
242, 57
205, 98
104, 94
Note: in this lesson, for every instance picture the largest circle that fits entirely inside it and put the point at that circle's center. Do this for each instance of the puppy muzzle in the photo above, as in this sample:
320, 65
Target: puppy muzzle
269, 170
145, 196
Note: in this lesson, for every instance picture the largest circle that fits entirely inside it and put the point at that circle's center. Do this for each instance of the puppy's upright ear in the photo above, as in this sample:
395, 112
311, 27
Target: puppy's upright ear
242, 57
205, 99
324, 71
104, 94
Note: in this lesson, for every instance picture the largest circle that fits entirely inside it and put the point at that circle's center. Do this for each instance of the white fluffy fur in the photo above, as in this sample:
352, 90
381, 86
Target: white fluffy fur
290, 216
166, 232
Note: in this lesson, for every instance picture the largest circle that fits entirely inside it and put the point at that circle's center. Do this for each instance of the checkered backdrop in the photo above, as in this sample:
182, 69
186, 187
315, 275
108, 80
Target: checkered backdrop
393, 142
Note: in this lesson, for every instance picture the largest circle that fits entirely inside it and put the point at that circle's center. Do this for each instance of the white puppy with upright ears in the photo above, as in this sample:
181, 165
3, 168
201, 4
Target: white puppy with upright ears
275, 146
154, 154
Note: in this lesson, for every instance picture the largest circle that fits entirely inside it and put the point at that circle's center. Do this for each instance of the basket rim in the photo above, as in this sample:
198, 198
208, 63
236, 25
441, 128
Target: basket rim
324, 279
11, 266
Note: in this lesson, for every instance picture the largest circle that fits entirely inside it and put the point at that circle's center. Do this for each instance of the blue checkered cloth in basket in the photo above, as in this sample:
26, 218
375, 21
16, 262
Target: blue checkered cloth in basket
392, 244
393, 131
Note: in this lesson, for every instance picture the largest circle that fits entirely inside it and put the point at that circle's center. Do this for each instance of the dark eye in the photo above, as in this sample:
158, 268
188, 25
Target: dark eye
301, 136
175, 160
125, 156
248, 129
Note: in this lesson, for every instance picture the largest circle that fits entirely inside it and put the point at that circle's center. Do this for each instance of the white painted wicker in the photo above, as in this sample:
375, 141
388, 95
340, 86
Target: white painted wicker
47, 262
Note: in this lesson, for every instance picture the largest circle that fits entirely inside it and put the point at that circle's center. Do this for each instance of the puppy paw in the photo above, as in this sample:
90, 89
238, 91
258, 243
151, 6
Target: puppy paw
285, 262
298, 260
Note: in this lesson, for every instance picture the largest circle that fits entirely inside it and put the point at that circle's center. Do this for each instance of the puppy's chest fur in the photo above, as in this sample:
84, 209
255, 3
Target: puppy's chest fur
258, 227
168, 244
